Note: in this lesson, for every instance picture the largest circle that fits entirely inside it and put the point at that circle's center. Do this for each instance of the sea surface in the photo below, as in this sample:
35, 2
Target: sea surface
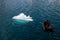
39, 10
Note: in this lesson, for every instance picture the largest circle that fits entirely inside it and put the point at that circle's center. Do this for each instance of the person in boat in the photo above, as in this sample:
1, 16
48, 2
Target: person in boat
47, 26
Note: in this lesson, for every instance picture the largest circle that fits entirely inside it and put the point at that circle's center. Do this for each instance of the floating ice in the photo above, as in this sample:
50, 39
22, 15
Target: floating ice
23, 18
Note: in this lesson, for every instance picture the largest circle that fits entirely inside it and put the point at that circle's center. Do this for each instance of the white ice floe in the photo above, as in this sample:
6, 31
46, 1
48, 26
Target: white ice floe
22, 16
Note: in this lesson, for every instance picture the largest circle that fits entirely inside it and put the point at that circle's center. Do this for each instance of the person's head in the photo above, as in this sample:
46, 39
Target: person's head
46, 20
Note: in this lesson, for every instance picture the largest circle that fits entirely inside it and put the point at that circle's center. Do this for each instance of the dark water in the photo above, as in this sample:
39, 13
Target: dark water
39, 11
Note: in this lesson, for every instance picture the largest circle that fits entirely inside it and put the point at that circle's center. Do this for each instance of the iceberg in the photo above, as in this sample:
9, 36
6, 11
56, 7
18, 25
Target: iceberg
22, 18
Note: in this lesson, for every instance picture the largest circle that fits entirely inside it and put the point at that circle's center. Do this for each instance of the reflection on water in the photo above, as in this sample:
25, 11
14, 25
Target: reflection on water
39, 11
